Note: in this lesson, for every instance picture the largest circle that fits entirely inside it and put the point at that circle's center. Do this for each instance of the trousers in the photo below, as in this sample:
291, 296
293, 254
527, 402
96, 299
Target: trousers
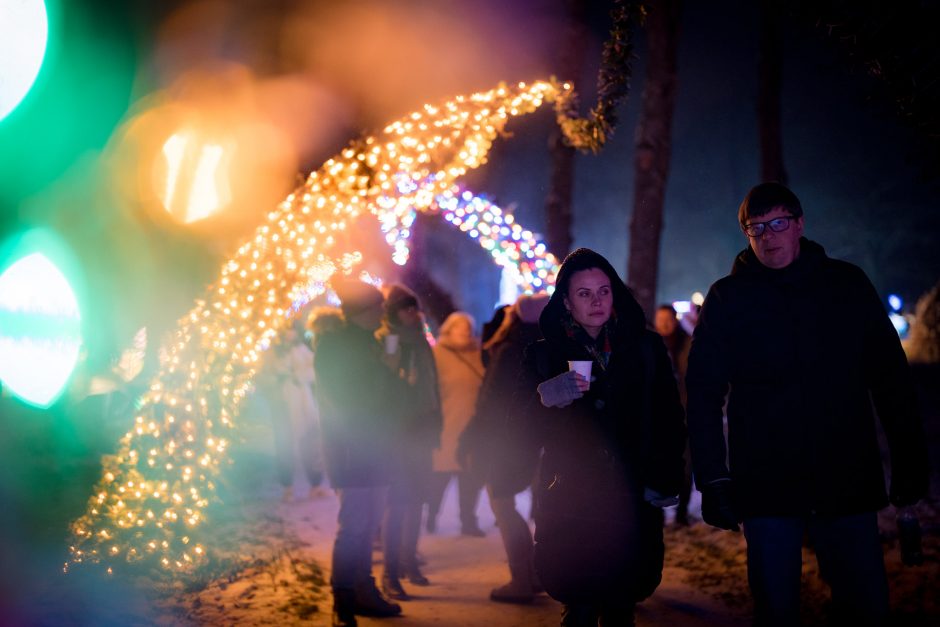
360, 511
517, 539
850, 559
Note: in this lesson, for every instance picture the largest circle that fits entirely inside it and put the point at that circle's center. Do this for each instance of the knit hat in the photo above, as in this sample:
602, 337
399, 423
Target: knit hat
399, 297
356, 296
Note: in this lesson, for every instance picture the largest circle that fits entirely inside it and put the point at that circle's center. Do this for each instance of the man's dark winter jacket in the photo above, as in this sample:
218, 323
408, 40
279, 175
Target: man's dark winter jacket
806, 351
361, 407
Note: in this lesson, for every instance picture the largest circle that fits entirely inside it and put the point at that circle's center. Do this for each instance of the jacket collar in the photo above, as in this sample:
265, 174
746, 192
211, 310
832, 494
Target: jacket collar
811, 255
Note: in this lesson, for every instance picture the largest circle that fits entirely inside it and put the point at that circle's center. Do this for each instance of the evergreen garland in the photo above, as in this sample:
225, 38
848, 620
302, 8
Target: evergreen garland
613, 84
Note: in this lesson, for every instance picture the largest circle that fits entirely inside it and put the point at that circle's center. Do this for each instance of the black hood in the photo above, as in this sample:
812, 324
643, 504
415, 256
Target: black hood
629, 315
811, 254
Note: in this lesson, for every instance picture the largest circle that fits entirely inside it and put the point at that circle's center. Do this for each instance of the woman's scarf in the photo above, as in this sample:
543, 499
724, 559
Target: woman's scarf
599, 349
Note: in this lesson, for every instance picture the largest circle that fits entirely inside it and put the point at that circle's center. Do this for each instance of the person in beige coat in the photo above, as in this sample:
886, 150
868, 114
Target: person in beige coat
460, 372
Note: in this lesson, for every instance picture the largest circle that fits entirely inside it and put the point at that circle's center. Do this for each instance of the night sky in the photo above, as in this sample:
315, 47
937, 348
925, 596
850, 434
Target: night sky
851, 161
868, 196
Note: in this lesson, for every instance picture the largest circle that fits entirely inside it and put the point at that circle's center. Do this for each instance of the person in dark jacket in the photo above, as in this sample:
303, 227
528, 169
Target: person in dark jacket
923, 353
678, 343
421, 434
801, 432
361, 404
612, 443
490, 327
488, 448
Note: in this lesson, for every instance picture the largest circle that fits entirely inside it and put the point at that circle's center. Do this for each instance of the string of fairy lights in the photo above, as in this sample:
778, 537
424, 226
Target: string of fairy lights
150, 505
531, 266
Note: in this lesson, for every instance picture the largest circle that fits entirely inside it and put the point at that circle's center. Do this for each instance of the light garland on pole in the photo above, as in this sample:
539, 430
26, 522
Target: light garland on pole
149, 506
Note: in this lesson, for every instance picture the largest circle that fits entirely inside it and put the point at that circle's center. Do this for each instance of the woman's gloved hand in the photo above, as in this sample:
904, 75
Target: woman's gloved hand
563, 389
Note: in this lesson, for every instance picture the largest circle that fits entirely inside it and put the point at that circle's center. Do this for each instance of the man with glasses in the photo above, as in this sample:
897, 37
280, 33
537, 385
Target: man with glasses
803, 382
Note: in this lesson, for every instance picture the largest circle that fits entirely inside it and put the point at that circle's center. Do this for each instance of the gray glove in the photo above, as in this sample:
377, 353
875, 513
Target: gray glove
559, 391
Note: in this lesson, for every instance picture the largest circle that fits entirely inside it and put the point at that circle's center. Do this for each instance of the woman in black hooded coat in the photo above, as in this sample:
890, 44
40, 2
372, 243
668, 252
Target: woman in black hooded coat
612, 445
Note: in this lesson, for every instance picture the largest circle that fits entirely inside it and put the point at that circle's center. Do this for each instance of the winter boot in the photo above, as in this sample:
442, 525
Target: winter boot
344, 606
391, 586
512, 592
578, 616
416, 577
370, 602
618, 615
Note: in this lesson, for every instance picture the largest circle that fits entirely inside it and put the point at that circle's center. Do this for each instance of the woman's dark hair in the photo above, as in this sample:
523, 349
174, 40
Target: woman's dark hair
583, 259
764, 198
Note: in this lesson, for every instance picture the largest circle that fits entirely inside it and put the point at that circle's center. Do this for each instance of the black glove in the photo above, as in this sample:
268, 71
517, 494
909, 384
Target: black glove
716, 505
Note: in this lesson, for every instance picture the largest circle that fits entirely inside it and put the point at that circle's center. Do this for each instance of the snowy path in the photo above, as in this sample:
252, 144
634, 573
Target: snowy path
462, 571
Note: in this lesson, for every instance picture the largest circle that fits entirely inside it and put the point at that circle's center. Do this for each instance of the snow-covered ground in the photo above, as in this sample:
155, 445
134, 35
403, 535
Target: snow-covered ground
277, 560
462, 571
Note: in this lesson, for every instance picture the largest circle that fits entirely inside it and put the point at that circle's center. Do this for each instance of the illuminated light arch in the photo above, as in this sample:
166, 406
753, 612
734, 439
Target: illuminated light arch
531, 266
149, 505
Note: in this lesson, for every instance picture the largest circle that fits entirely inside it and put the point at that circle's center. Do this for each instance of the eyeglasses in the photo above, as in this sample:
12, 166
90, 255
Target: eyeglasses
777, 225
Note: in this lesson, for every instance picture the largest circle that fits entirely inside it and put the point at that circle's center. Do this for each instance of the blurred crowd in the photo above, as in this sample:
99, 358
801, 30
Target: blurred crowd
601, 413
422, 412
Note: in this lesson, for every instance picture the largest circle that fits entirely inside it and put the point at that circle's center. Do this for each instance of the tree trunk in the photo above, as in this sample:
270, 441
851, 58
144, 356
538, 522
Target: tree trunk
768, 96
653, 148
560, 193
561, 182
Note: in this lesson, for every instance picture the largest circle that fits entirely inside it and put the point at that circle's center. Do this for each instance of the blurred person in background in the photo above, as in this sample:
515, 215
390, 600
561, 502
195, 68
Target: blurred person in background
489, 328
923, 342
923, 352
504, 457
420, 435
613, 443
678, 343
363, 404
322, 319
294, 413
802, 450
460, 373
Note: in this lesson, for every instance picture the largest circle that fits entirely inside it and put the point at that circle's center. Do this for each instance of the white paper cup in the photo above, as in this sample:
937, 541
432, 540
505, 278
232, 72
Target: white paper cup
391, 343
583, 368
